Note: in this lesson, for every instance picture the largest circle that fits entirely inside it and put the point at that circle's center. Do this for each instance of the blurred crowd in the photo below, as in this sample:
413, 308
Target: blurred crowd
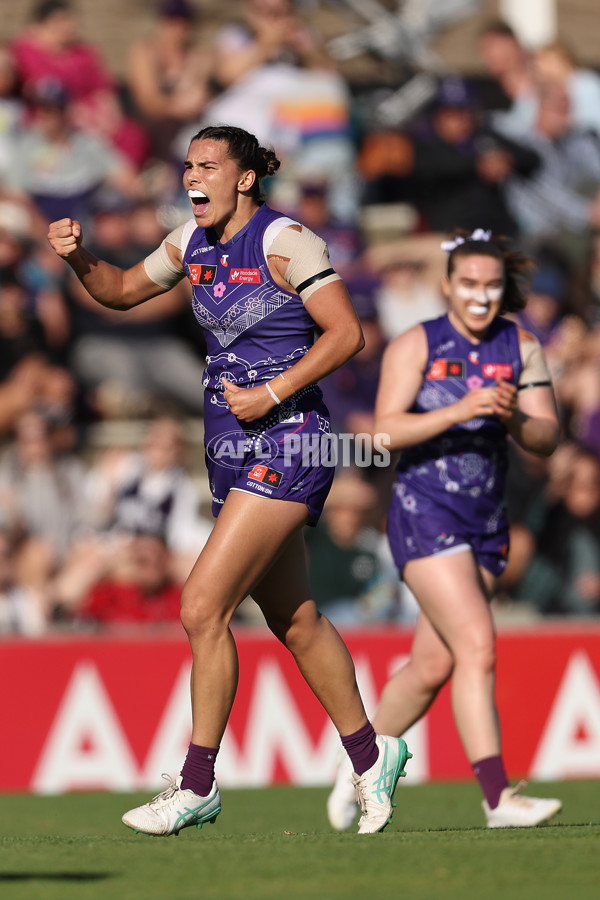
96, 533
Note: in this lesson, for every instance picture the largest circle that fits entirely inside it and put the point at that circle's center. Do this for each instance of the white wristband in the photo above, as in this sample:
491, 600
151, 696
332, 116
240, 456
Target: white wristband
272, 393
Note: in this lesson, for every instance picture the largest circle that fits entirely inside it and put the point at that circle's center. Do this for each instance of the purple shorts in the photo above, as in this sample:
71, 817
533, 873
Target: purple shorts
284, 457
413, 536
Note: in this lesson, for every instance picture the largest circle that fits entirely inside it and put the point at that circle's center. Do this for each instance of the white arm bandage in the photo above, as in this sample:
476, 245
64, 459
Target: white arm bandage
309, 267
535, 371
158, 265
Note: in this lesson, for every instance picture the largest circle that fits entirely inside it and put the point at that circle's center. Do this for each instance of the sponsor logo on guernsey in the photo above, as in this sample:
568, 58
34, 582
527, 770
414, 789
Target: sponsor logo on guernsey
259, 487
224, 259
500, 370
245, 276
200, 274
446, 368
266, 475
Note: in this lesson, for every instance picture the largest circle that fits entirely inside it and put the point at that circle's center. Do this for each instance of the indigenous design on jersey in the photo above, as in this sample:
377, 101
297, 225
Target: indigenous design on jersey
462, 470
240, 371
254, 332
233, 291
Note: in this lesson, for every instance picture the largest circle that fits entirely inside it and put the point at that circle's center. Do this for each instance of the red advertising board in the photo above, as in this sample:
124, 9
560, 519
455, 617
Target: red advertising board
114, 713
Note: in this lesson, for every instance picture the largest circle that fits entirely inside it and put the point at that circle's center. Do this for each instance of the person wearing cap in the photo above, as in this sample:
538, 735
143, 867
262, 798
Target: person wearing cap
546, 302
452, 391
461, 166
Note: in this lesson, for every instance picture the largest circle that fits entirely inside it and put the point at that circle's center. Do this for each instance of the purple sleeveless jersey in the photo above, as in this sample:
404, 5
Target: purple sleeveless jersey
254, 331
449, 491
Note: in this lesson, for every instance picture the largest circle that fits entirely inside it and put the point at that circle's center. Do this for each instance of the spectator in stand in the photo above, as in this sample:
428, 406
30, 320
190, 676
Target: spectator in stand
70, 165
405, 297
136, 363
51, 48
386, 161
128, 491
131, 490
30, 377
32, 266
579, 389
510, 66
409, 276
270, 31
562, 576
350, 566
546, 303
343, 238
555, 64
43, 499
461, 167
585, 287
533, 483
22, 610
144, 592
21, 335
168, 75
12, 108
560, 200
20, 390
278, 81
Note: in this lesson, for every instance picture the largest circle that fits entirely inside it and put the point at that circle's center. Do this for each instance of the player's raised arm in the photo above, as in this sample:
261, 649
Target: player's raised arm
111, 286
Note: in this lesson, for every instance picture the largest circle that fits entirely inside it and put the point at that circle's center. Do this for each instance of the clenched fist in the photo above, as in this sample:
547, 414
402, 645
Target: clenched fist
65, 236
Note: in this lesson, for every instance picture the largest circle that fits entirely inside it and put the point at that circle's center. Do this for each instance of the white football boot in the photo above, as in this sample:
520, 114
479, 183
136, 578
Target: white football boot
515, 810
342, 803
174, 809
375, 787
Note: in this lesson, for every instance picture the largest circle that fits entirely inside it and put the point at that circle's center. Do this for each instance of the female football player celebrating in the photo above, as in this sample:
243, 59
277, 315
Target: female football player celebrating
261, 283
451, 392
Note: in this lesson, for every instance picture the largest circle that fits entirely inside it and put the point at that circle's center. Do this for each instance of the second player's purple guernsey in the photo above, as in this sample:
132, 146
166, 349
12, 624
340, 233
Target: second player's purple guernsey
464, 469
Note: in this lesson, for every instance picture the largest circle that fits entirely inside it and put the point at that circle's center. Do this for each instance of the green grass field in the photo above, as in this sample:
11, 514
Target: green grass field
276, 843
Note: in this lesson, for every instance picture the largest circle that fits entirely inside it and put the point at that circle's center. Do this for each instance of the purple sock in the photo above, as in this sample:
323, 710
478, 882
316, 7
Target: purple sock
492, 778
198, 772
361, 748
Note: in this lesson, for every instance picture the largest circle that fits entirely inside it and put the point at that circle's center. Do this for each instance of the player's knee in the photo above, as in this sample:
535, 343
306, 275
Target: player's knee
200, 615
434, 672
478, 652
487, 657
298, 633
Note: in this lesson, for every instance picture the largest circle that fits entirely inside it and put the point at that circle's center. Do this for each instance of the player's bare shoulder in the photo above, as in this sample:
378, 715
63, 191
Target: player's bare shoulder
410, 347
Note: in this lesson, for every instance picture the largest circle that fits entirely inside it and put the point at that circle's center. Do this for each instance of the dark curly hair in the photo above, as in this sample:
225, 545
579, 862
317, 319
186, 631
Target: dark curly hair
518, 268
245, 150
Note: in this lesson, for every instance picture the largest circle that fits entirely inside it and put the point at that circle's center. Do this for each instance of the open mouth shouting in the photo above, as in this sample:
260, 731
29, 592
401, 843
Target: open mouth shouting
200, 202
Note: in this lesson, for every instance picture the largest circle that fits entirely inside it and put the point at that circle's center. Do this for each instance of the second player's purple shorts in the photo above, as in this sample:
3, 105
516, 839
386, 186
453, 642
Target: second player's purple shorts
414, 535
281, 460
